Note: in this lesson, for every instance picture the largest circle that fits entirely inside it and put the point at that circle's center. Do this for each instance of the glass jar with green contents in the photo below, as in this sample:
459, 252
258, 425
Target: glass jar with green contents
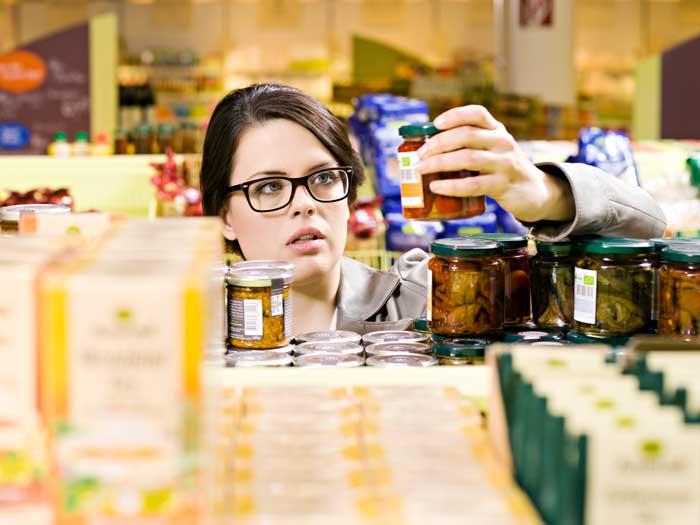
466, 283
459, 352
552, 284
613, 287
679, 290
517, 261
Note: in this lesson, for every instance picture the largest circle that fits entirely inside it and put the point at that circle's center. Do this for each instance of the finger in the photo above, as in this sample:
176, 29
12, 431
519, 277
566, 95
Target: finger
477, 116
467, 137
492, 185
462, 159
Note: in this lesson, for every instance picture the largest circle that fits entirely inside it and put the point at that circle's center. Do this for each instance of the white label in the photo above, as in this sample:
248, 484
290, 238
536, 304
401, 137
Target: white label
253, 317
407, 167
429, 306
276, 304
586, 285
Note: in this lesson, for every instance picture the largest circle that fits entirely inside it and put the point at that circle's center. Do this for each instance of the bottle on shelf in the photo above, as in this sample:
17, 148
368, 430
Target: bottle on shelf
60, 146
81, 146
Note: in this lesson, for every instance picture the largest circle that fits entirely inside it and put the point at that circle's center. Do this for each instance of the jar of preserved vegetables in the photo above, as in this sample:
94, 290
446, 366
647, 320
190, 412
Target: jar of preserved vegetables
417, 200
466, 283
10, 215
552, 284
679, 286
613, 287
259, 307
459, 352
515, 256
145, 140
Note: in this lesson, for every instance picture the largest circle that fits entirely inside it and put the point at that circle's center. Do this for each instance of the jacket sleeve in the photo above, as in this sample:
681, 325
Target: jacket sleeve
605, 205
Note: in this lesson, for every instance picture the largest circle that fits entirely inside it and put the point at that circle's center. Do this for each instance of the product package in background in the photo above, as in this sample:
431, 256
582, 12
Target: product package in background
608, 150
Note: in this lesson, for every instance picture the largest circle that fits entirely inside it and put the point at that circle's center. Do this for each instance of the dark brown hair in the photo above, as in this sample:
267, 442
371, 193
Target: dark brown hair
256, 104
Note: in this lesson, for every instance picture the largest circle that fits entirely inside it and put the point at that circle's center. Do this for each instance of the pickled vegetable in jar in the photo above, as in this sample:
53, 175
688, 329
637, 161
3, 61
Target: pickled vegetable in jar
613, 288
552, 285
259, 307
466, 283
459, 352
417, 200
679, 287
516, 258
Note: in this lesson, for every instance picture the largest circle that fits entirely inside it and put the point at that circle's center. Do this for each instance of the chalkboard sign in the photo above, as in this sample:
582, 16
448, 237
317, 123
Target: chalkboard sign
45, 88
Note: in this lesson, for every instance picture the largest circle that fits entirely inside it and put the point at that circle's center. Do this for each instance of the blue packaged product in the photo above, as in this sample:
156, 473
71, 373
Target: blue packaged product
391, 205
402, 235
484, 223
508, 223
608, 150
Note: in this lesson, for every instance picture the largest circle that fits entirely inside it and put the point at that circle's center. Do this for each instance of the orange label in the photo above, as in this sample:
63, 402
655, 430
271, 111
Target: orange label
21, 71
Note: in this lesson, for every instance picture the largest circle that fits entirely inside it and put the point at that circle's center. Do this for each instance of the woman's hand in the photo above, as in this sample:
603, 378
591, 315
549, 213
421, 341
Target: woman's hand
471, 139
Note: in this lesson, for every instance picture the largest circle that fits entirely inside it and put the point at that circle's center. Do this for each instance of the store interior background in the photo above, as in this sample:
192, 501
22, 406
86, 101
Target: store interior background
308, 43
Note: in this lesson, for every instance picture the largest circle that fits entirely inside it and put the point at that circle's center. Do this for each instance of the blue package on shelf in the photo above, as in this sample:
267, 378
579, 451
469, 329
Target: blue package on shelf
391, 205
484, 223
608, 150
402, 235
507, 222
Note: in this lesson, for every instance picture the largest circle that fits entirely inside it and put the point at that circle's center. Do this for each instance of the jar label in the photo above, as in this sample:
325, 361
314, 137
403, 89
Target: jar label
288, 316
411, 184
246, 319
429, 305
585, 295
276, 299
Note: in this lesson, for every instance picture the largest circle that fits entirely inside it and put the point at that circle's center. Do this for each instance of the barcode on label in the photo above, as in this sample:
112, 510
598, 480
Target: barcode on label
276, 302
585, 290
252, 317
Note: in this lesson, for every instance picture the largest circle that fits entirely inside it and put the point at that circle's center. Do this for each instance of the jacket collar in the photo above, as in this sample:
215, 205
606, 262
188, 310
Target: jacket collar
363, 290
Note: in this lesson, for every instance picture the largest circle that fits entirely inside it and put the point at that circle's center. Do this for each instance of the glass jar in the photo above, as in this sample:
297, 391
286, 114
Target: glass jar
335, 360
466, 283
121, 142
259, 307
613, 288
340, 336
10, 215
144, 140
679, 287
166, 137
552, 285
459, 352
401, 361
329, 347
393, 336
398, 348
422, 326
258, 358
417, 200
517, 260
191, 138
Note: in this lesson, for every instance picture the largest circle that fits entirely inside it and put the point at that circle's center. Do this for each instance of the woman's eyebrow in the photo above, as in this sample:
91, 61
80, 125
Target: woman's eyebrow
319, 166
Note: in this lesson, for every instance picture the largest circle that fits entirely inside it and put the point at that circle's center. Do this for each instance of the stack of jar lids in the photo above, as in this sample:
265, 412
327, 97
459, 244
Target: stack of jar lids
403, 347
336, 336
260, 358
394, 336
328, 360
401, 360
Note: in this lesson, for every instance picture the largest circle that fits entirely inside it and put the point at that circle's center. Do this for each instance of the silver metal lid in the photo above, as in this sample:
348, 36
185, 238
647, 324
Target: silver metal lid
398, 348
328, 361
328, 347
329, 335
252, 358
247, 265
258, 277
394, 336
401, 360
12, 213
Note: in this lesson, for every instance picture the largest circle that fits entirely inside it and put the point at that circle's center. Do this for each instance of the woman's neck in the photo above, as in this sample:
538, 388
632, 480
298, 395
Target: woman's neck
314, 302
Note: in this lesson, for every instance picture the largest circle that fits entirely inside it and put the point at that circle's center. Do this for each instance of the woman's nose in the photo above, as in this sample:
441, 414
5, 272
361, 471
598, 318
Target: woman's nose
303, 203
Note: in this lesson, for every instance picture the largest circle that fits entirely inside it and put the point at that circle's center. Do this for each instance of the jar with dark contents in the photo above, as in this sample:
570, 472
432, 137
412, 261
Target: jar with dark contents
517, 260
679, 286
466, 284
417, 200
613, 288
259, 307
459, 352
552, 285
145, 140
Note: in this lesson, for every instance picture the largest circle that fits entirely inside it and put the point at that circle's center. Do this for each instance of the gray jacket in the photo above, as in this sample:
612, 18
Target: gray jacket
370, 299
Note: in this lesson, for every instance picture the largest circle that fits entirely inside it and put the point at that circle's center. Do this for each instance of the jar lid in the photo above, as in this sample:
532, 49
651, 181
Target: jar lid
253, 358
578, 338
689, 253
328, 347
393, 336
465, 247
326, 360
509, 241
554, 248
401, 360
421, 324
260, 277
540, 334
437, 338
460, 347
664, 242
343, 336
12, 213
403, 347
417, 130
283, 265
551, 343
618, 246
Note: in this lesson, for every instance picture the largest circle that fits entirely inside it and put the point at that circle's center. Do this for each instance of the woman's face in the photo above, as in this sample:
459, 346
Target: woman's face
283, 148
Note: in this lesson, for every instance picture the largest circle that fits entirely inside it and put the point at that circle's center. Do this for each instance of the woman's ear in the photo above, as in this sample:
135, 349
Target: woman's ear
229, 232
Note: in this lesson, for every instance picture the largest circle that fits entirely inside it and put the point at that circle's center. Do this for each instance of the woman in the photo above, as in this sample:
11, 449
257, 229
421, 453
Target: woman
279, 169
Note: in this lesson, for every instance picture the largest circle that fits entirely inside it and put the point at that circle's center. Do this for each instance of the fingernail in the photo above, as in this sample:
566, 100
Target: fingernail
439, 122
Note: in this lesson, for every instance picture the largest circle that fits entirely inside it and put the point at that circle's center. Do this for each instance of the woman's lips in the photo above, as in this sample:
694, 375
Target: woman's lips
306, 247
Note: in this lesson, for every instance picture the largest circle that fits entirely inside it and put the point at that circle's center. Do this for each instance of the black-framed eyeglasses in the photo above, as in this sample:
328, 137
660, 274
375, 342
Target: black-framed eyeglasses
274, 193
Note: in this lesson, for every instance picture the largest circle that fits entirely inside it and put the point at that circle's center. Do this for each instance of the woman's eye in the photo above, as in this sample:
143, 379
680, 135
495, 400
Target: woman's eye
272, 186
327, 177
